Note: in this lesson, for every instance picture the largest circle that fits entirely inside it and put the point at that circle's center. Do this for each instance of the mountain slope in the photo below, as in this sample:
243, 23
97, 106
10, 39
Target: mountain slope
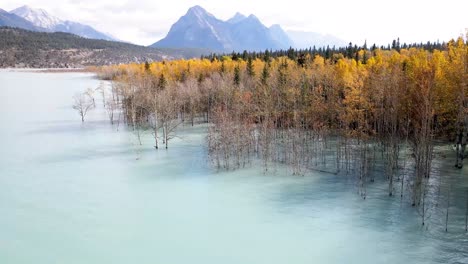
12, 20
81, 30
238, 17
251, 34
37, 17
280, 36
198, 28
23, 48
40, 18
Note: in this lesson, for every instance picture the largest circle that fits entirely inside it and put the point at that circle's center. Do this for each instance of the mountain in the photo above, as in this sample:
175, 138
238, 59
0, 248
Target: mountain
304, 39
48, 23
236, 18
198, 28
32, 49
251, 34
12, 20
37, 17
81, 30
280, 36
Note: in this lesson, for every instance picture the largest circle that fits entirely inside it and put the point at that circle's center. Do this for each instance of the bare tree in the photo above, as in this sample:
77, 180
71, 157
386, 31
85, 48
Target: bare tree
448, 207
110, 102
83, 103
102, 88
169, 105
466, 213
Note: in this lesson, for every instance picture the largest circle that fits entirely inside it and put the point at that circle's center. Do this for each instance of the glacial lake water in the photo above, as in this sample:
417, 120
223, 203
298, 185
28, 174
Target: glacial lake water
88, 193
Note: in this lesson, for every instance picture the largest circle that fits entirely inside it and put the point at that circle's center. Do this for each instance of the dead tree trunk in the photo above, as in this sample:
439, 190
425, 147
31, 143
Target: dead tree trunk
466, 213
448, 206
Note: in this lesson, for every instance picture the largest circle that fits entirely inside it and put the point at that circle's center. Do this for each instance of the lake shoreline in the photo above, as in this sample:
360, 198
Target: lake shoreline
49, 70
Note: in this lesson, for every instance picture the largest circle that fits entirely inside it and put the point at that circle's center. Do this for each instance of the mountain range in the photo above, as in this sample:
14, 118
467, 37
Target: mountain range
39, 20
196, 29
199, 28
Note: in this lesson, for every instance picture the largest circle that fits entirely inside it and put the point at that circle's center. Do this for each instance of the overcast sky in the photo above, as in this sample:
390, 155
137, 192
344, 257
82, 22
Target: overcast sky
146, 21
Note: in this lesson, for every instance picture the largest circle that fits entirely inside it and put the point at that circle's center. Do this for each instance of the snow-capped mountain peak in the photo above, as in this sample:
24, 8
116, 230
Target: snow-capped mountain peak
43, 21
39, 17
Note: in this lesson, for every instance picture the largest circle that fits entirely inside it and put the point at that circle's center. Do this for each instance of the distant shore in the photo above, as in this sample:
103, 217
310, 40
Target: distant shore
47, 70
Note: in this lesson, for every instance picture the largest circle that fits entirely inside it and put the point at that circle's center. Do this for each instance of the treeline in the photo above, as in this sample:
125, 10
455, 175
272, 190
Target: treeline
337, 115
352, 51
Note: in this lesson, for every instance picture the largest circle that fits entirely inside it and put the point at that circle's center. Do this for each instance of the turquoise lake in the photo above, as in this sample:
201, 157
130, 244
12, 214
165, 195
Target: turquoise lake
74, 193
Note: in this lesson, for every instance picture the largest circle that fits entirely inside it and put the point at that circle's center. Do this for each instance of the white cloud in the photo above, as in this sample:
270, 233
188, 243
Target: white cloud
146, 21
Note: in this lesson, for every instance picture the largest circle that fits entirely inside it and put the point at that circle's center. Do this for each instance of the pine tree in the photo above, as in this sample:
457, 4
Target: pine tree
245, 55
250, 68
162, 82
222, 70
267, 56
147, 66
265, 74
237, 75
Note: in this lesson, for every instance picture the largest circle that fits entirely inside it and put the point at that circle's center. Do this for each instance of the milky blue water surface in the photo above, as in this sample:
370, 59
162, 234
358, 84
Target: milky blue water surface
85, 194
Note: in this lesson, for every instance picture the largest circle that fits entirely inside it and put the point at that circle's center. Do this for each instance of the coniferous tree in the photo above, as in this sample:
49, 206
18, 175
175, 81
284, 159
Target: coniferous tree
237, 75
265, 74
162, 82
250, 67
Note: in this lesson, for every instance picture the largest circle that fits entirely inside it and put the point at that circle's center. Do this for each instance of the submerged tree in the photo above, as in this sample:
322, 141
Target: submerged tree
83, 103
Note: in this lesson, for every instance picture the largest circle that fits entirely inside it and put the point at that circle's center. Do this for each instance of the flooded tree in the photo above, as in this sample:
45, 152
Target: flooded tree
169, 113
466, 212
111, 102
83, 103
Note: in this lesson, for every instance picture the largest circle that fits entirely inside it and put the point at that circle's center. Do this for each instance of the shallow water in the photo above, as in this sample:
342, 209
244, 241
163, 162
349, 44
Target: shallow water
73, 193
